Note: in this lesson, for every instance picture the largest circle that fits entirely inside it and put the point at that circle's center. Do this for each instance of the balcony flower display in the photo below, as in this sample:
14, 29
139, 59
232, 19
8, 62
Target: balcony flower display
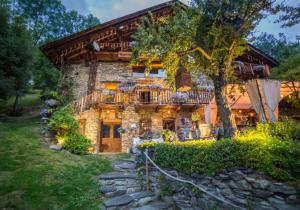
108, 92
179, 97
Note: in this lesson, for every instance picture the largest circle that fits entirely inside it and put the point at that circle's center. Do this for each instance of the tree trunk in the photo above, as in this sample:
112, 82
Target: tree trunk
14, 111
224, 110
296, 93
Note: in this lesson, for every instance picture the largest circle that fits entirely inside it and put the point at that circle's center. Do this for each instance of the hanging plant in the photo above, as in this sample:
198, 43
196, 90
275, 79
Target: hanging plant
179, 97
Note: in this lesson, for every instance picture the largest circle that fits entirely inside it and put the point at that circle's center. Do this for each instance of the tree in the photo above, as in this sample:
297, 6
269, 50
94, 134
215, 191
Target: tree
205, 38
48, 20
15, 55
280, 48
46, 76
290, 16
289, 70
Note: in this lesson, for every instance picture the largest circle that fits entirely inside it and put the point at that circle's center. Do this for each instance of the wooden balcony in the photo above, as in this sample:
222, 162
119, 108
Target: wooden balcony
168, 97
141, 97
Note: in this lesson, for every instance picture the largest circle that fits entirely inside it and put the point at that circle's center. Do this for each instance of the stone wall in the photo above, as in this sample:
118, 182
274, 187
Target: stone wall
129, 119
79, 74
113, 72
92, 125
244, 187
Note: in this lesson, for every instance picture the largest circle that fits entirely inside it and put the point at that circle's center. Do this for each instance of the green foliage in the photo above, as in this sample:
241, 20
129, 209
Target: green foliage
280, 48
67, 129
289, 70
15, 54
169, 136
63, 121
290, 15
205, 39
46, 76
287, 130
65, 95
49, 20
269, 149
147, 145
77, 144
34, 177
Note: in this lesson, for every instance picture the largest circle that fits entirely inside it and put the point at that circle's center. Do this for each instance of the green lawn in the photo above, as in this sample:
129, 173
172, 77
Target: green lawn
28, 101
34, 177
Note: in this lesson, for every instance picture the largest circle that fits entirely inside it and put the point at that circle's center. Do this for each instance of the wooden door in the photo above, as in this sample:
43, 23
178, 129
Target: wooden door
110, 137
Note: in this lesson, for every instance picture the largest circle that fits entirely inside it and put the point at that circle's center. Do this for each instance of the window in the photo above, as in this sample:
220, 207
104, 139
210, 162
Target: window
145, 125
116, 131
140, 72
145, 96
169, 124
105, 131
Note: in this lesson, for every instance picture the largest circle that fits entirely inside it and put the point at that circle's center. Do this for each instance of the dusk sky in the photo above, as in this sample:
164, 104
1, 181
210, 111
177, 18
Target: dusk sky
109, 9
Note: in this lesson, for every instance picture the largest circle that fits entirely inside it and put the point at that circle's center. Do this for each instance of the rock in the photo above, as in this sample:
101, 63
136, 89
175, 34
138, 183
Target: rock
282, 188
117, 175
115, 193
293, 199
243, 184
108, 189
56, 147
280, 204
262, 193
51, 102
154, 206
142, 194
237, 199
237, 175
260, 183
125, 165
118, 201
223, 177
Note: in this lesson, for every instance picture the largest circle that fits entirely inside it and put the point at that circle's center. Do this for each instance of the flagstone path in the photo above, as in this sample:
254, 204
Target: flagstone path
123, 189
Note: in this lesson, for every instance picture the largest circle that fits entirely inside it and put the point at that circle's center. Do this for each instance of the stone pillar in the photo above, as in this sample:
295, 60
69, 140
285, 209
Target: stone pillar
130, 119
92, 126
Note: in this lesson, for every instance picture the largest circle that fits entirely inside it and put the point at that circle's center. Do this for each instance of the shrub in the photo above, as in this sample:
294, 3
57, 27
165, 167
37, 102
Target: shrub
169, 136
287, 130
147, 145
77, 144
63, 121
274, 157
66, 127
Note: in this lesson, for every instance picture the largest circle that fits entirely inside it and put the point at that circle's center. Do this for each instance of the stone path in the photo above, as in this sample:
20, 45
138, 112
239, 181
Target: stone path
123, 189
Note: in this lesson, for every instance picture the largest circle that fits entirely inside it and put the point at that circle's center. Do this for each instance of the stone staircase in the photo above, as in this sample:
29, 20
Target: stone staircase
123, 189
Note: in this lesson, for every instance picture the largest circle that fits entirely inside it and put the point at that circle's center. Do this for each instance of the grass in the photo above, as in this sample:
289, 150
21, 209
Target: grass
30, 100
34, 177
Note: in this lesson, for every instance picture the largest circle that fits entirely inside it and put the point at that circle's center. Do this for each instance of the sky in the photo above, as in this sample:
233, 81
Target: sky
107, 10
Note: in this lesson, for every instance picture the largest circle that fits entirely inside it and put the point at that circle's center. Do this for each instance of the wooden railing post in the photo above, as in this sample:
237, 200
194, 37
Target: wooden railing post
147, 171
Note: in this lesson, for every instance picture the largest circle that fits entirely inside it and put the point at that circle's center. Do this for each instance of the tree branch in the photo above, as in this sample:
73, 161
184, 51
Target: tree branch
203, 52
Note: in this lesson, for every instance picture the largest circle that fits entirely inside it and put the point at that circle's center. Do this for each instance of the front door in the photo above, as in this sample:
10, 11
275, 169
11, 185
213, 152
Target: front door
110, 137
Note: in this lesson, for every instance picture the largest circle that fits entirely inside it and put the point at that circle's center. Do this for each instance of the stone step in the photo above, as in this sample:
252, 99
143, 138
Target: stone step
118, 201
158, 205
117, 175
142, 198
124, 166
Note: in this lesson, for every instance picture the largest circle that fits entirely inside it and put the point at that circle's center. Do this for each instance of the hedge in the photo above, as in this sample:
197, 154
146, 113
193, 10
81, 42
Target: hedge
257, 149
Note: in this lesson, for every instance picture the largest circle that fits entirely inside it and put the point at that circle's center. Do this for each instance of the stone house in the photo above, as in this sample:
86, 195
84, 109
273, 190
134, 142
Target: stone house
116, 102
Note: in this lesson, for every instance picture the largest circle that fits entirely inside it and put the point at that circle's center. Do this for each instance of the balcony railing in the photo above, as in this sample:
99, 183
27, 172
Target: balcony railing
167, 96
141, 96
